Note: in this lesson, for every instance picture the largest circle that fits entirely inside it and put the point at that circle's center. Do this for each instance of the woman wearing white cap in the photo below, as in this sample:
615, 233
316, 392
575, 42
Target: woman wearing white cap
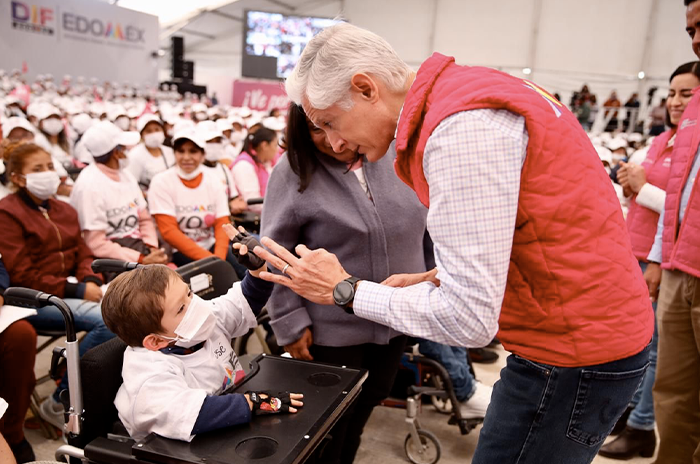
53, 138
216, 159
189, 204
150, 157
111, 208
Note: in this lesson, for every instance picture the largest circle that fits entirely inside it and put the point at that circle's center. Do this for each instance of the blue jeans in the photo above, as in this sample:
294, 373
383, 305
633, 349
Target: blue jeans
642, 416
88, 318
545, 414
454, 360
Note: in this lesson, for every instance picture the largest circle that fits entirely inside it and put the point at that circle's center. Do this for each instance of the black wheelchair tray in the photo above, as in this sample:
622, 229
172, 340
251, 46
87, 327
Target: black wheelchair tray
273, 439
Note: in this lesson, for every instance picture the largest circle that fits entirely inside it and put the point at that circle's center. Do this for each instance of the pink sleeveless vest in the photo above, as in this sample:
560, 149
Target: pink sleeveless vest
681, 244
641, 221
260, 171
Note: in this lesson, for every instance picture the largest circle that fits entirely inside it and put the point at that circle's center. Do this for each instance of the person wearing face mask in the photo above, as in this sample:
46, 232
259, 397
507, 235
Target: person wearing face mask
226, 127
42, 248
151, 156
190, 205
113, 213
53, 138
199, 112
238, 134
180, 366
251, 169
81, 123
215, 157
646, 183
119, 116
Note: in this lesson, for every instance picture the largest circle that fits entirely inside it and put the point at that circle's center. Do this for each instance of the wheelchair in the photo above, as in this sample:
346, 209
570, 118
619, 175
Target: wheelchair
429, 383
95, 435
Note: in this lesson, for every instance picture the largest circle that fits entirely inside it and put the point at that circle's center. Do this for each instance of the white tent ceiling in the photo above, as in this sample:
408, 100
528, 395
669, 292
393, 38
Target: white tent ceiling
565, 43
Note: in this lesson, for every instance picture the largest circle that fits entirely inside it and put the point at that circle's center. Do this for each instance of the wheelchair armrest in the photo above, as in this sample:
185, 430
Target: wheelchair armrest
104, 450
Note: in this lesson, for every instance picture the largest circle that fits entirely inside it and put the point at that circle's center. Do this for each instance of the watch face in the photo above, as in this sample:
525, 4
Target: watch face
343, 293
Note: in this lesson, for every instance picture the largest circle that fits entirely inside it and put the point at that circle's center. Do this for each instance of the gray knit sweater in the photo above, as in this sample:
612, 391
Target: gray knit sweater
372, 239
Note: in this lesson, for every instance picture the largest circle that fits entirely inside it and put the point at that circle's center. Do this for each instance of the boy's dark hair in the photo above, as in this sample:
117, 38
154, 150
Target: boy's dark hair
132, 307
688, 2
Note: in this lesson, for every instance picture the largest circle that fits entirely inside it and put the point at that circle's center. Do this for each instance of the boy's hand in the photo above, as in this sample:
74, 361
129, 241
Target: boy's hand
264, 403
243, 242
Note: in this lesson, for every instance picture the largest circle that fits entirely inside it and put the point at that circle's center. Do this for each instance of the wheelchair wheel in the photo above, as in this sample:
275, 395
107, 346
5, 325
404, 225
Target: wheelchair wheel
426, 452
443, 406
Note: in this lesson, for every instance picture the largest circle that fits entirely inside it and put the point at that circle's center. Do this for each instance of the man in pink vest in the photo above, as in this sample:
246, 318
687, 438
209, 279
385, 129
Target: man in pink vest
529, 238
677, 248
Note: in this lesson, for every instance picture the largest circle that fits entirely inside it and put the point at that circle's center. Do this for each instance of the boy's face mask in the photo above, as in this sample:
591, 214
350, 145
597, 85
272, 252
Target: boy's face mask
196, 326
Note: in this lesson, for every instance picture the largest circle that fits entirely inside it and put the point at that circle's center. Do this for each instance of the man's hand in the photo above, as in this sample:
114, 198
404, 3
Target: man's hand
92, 292
406, 280
300, 348
623, 176
156, 256
637, 177
652, 276
313, 275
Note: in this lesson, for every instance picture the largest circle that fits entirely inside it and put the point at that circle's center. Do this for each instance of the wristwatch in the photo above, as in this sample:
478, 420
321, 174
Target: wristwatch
344, 294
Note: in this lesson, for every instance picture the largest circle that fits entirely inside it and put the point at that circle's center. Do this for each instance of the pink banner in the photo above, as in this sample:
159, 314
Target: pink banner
259, 96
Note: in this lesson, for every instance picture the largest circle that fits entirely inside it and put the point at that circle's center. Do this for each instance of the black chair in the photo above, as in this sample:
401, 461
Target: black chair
101, 377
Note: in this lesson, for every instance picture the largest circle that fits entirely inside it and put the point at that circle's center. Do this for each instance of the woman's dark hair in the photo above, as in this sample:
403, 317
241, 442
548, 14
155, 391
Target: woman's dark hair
301, 149
181, 141
253, 141
692, 67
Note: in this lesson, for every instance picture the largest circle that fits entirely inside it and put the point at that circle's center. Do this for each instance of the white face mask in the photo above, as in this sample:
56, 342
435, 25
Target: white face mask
52, 126
171, 131
154, 139
200, 116
608, 170
191, 175
196, 326
2, 167
123, 163
123, 123
43, 185
238, 137
214, 151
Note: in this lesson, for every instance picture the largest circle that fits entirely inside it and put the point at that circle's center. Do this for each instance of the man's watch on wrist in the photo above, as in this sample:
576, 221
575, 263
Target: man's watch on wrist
344, 294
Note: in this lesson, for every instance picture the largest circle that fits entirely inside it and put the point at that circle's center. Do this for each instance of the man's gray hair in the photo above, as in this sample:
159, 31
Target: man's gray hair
333, 56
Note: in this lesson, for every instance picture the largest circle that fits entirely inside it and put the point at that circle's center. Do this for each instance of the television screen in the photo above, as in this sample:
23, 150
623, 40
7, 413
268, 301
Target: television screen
274, 42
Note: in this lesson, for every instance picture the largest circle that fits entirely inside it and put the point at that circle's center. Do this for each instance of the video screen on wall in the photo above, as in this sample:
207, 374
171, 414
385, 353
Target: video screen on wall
274, 42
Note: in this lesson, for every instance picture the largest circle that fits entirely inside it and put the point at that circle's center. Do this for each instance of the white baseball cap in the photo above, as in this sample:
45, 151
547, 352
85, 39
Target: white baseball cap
199, 108
15, 122
81, 122
104, 136
143, 121
191, 135
224, 124
46, 110
208, 130
275, 124
616, 143
604, 154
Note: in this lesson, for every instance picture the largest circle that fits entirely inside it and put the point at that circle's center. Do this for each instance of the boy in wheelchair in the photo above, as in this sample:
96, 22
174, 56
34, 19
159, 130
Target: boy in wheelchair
180, 363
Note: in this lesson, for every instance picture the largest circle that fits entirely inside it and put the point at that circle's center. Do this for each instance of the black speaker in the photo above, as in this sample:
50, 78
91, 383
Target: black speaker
184, 70
177, 49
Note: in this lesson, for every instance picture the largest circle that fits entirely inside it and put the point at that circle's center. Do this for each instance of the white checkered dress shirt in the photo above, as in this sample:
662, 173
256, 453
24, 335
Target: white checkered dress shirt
472, 161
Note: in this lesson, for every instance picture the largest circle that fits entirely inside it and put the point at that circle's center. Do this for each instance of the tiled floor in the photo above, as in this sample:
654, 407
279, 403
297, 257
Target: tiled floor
384, 435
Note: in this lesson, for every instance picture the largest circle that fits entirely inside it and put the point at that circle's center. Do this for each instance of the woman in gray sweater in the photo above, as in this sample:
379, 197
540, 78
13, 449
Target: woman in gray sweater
376, 226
